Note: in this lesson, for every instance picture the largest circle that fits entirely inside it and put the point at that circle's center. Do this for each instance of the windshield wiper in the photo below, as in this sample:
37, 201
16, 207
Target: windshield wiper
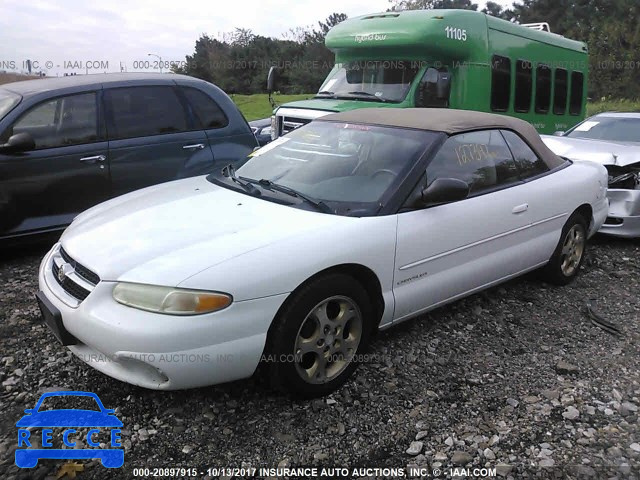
362, 93
230, 172
318, 204
325, 93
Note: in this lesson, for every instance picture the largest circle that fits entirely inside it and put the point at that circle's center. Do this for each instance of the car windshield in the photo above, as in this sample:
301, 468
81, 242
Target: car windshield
612, 129
8, 100
349, 167
375, 80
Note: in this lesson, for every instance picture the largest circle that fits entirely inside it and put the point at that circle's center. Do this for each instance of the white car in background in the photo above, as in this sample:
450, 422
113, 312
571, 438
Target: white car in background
353, 223
612, 140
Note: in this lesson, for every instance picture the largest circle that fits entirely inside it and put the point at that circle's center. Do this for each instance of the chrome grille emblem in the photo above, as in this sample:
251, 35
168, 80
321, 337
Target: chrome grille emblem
64, 271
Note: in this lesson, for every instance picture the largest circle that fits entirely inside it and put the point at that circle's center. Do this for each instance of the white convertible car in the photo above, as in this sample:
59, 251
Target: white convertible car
350, 224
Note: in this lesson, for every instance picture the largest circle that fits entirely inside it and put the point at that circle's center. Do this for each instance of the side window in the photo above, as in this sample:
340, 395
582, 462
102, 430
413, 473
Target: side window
577, 91
543, 89
65, 121
500, 83
207, 111
524, 86
144, 111
560, 95
527, 161
482, 159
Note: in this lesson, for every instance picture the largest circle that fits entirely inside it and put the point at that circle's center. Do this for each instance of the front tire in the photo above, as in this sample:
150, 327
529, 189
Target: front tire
567, 258
317, 340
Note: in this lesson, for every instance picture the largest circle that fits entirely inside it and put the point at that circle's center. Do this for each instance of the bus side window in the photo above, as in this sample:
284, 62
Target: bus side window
577, 91
524, 86
500, 83
543, 89
560, 96
434, 89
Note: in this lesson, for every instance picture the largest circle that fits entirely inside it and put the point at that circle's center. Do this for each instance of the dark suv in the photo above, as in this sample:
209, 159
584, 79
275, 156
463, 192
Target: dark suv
69, 143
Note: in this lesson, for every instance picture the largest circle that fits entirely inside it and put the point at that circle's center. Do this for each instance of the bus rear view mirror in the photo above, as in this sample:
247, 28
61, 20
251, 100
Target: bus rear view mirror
444, 86
354, 76
434, 89
431, 76
271, 79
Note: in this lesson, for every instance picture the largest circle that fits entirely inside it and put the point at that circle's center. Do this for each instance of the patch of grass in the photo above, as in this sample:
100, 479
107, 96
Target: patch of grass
613, 106
255, 107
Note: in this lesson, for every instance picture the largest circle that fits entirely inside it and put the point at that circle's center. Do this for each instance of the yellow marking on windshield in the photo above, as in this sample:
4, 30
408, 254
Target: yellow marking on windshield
469, 152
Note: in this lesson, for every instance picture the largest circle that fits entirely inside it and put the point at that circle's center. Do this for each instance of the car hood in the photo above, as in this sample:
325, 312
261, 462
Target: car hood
605, 153
69, 418
167, 233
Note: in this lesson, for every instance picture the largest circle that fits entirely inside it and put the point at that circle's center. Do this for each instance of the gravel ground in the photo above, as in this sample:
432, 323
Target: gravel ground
516, 378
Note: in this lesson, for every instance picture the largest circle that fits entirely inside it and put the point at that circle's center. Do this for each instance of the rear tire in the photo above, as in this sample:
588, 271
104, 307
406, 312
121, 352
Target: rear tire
317, 341
567, 258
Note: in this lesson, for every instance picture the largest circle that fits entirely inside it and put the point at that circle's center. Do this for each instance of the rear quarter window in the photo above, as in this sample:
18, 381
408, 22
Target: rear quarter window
529, 164
206, 109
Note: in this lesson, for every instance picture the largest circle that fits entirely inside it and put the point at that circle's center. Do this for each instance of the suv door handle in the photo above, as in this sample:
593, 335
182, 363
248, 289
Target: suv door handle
94, 159
197, 146
520, 208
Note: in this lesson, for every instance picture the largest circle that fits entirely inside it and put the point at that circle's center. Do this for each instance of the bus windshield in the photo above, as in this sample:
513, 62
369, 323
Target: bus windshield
374, 80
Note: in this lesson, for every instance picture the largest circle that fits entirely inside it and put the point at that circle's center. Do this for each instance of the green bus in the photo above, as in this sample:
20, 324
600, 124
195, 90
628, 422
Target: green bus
448, 58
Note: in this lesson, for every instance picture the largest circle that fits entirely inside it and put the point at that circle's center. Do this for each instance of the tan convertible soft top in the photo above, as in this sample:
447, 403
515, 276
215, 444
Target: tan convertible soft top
449, 121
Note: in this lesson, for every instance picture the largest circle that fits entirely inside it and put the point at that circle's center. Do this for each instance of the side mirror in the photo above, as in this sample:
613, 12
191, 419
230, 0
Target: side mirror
20, 142
444, 190
559, 133
271, 79
28, 411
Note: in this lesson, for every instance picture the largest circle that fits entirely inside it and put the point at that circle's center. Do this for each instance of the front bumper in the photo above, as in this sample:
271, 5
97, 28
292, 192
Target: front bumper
157, 351
624, 213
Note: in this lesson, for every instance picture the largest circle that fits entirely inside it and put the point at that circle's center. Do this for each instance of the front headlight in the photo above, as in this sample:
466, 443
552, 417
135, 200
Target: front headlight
170, 300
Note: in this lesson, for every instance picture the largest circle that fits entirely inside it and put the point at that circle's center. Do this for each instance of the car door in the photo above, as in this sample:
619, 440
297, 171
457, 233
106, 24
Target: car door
547, 217
152, 138
446, 251
45, 188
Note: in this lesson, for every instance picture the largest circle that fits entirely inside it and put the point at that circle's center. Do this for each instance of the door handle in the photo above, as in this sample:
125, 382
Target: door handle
196, 146
520, 208
94, 159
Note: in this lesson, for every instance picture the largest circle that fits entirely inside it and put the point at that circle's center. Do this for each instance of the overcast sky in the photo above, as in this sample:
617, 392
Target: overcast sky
59, 34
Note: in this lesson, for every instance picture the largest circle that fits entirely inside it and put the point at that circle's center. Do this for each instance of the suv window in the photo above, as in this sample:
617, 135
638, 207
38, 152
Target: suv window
543, 89
527, 161
500, 83
560, 92
524, 86
206, 110
482, 159
577, 90
64, 121
144, 111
